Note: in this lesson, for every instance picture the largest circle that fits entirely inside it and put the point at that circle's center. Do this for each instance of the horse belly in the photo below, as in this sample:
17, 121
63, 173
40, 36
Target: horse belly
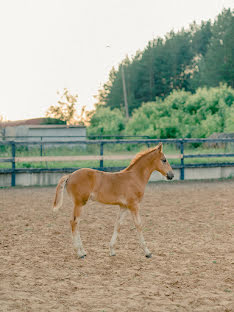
110, 192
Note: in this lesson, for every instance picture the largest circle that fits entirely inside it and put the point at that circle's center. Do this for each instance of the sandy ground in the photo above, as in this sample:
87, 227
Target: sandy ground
188, 228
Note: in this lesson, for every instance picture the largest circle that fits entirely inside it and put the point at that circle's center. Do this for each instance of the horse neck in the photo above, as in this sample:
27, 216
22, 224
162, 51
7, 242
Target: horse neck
144, 167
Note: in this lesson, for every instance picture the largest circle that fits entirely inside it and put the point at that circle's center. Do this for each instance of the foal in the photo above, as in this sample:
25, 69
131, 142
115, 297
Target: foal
125, 188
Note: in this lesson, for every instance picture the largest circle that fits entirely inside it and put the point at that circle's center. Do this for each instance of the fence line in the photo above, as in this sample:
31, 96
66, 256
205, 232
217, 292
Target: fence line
101, 157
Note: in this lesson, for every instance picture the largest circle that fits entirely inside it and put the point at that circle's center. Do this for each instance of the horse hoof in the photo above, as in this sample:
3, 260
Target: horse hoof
149, 255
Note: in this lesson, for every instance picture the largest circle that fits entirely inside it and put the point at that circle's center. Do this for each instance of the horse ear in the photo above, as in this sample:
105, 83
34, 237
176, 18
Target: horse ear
160, 147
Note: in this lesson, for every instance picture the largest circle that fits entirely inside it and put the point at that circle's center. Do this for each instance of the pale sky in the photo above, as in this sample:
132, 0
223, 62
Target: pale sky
47, 45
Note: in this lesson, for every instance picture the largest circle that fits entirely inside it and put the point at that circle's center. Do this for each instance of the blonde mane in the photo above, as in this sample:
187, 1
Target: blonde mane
140, 155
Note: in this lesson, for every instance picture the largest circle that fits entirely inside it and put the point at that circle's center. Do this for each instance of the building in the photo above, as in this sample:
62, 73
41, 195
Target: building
34, 130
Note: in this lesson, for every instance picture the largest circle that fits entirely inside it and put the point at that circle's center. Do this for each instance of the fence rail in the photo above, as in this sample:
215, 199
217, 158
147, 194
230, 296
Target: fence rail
101, 157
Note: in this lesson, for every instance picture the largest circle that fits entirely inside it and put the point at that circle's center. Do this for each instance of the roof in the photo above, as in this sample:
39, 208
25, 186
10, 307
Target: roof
54, 126
36, 123
33, 121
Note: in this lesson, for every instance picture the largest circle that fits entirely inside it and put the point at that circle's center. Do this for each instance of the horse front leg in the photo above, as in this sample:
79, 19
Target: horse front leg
75, 222
119, 221
137, 221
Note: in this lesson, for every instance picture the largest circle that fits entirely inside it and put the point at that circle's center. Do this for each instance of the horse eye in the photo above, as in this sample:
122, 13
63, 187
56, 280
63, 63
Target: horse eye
164, 160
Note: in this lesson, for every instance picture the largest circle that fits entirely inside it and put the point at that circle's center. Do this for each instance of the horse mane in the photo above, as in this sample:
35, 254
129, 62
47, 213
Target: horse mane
140, 155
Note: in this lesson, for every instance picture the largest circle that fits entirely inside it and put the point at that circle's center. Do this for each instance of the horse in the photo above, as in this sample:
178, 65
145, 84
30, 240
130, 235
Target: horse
124, 188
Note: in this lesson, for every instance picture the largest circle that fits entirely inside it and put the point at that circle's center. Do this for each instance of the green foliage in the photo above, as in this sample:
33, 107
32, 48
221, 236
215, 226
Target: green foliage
229, 121
106, 122
184, 81
53, 121
189, 59
217, 64
183, 114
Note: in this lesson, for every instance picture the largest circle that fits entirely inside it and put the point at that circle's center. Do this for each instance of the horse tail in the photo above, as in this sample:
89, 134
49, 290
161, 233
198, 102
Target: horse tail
58, 200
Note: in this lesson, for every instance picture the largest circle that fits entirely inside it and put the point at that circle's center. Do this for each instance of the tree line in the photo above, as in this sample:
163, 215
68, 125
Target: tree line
180, 114
178, 86
190, 59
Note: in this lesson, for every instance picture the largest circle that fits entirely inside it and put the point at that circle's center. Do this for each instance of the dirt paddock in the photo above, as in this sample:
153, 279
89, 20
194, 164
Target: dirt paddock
188, 227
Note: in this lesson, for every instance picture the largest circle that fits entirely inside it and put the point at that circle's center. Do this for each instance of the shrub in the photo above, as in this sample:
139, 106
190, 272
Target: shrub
183, 114
106, 122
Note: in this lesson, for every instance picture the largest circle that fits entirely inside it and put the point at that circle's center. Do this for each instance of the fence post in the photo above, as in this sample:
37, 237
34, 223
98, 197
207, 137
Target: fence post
101, 154
13, 164
182, 159
41, 147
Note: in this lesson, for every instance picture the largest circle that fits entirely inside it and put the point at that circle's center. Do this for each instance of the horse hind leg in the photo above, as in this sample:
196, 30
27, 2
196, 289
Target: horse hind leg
75, 223
119, 221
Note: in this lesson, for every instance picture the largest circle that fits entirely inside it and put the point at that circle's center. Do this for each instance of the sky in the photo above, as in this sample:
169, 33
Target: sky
48, 45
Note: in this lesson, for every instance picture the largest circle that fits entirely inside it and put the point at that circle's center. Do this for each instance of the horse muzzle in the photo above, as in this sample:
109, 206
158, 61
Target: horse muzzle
170, 175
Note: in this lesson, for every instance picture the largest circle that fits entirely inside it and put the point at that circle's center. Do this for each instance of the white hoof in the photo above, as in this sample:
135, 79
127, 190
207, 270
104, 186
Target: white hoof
112, 253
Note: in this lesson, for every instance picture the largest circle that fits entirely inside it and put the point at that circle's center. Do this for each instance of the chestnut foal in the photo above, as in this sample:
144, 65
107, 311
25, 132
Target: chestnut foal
125, 188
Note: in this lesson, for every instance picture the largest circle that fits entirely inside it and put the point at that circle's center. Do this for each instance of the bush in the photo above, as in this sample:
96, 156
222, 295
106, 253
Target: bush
229, 120
183, 114
106, 122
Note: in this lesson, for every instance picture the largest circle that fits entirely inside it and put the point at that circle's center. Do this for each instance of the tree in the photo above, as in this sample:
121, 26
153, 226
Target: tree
189, 59
217, 65
104, 121
65, 110
154, 72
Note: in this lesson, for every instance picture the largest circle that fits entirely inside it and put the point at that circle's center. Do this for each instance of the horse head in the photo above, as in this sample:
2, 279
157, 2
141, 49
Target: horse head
161, 164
